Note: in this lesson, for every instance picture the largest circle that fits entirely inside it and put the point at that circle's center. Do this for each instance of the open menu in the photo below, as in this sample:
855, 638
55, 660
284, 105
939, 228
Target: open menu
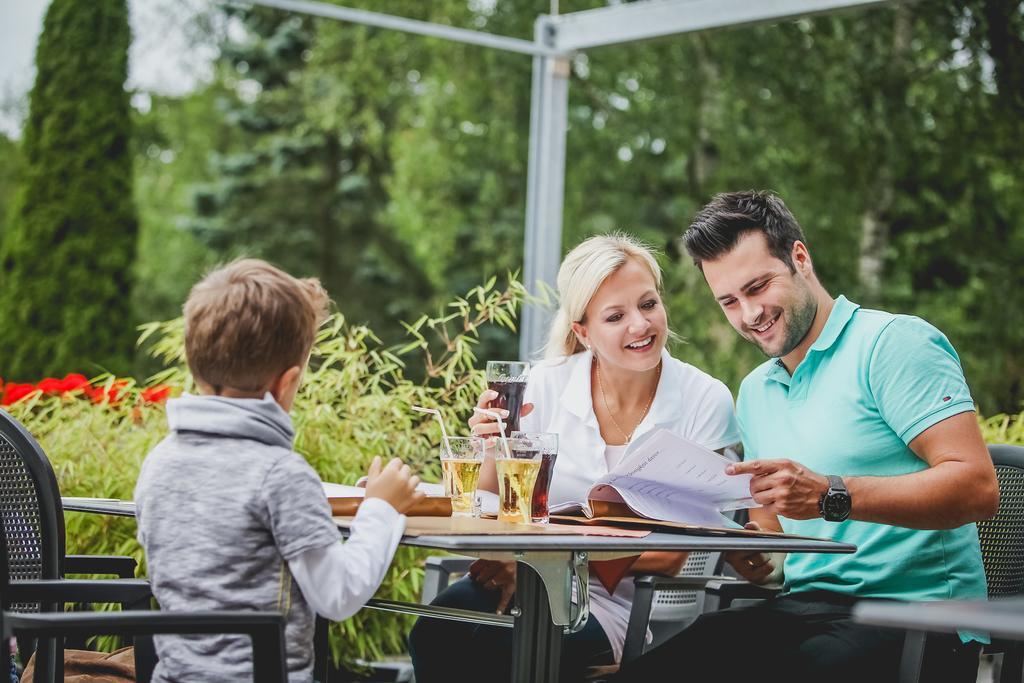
667, 478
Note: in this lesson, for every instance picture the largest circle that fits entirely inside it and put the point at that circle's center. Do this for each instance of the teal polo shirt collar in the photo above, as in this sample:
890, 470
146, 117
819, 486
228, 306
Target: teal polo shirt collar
841, 314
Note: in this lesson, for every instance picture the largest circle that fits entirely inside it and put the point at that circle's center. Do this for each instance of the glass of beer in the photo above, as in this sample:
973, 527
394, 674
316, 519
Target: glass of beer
517, 474
508, 378
547, 444
460, 471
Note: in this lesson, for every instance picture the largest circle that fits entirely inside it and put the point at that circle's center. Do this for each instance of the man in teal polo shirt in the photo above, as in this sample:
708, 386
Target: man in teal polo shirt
860, 428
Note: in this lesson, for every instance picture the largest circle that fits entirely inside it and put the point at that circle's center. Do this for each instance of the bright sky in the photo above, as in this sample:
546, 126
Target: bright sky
160, 59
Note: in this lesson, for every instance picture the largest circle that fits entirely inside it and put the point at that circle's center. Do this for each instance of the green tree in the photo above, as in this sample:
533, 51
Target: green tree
315, 105
66, 259
10, 168
173, 140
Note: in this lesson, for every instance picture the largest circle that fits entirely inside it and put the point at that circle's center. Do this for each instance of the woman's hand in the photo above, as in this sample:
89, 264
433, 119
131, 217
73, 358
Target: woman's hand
497, 576
755, 566
485, 425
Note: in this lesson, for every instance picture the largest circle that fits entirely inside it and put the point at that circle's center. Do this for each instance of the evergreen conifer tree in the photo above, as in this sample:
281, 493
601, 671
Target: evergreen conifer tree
66, 257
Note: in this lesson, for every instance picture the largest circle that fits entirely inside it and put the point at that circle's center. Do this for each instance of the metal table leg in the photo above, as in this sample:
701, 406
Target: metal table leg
536, 639
543, 612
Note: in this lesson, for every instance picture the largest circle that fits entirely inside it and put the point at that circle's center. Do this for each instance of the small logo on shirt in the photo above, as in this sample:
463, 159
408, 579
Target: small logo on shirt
946, 399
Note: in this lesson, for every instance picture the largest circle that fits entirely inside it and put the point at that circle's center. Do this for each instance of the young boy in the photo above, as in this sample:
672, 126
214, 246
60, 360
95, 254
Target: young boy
230, 517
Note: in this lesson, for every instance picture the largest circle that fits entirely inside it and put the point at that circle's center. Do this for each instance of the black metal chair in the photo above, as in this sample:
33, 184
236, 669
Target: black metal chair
265, 628
1002, 552
33, 590
32, 520
1002, 547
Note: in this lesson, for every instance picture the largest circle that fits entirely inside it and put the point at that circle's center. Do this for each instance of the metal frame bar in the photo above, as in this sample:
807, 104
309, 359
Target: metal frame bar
435, 612
655, 18
388, 21
545, 184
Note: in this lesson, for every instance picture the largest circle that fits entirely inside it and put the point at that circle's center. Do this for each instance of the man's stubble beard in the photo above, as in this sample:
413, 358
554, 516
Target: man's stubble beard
799, 319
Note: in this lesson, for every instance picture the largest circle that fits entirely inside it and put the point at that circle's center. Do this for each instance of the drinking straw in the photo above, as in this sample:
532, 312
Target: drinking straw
444, 433
501, 428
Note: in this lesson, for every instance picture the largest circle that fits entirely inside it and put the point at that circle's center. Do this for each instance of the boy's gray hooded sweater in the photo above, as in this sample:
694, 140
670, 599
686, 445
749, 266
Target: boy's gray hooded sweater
223, 503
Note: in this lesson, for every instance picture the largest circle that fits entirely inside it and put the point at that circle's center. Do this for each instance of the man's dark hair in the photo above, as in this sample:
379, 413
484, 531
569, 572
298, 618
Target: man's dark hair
728, 216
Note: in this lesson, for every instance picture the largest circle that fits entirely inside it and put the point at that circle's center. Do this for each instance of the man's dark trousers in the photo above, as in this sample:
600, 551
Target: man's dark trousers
802, 637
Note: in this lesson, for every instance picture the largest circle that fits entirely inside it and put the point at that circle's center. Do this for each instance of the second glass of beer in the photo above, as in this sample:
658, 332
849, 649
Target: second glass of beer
508, 378
517, 474
460, 471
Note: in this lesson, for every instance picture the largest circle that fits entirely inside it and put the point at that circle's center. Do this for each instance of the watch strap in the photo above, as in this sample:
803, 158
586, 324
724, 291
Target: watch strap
835, 483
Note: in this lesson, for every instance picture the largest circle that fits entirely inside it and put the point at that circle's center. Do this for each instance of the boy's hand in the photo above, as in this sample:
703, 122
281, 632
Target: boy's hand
395, 484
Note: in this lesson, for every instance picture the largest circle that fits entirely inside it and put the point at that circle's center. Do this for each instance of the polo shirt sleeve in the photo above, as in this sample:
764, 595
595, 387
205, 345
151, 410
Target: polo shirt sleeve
915, 377
298, 514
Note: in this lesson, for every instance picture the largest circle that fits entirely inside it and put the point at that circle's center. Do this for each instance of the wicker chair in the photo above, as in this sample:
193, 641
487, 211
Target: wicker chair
33, 590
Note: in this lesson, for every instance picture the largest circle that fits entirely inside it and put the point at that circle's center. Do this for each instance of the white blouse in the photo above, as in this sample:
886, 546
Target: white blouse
688, 402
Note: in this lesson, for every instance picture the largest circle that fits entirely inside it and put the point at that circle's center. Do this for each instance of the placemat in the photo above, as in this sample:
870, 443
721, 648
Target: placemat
471, 526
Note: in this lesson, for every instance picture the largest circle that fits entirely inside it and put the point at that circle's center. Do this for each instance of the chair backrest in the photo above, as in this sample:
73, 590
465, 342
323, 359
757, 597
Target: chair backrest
673, 607
31, 514
1002, 537
684, 604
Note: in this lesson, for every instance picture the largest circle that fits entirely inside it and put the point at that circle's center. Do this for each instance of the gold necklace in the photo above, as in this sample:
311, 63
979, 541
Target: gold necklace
604, 398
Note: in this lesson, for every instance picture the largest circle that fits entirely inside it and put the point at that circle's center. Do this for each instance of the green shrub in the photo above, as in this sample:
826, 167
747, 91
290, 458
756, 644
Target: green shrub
1004, 429
354, 404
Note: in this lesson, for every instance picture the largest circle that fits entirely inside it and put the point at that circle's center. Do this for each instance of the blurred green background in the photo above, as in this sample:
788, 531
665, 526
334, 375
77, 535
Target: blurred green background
394, 168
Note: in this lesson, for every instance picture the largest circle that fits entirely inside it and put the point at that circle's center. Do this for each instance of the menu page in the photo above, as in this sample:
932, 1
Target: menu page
667, 477
667, 466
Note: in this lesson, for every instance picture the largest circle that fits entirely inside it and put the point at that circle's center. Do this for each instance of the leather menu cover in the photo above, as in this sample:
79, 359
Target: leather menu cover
431, 506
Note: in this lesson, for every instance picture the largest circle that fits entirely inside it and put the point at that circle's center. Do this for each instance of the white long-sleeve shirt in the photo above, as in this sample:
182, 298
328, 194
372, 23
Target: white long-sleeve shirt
338, 579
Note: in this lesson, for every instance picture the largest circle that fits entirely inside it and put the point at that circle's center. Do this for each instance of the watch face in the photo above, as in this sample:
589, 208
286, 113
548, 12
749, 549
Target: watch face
836, 506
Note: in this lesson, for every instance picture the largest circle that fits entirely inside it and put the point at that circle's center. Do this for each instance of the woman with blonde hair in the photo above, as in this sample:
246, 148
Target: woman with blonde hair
605, 382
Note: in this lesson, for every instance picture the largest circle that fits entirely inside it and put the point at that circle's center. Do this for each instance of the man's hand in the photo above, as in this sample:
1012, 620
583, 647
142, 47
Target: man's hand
784, 487
755, 566
494, 575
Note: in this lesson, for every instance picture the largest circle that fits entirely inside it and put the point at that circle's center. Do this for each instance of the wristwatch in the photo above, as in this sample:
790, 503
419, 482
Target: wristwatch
834, 505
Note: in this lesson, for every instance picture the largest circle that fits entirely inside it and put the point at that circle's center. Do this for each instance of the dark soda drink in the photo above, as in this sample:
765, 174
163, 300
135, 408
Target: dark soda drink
510, 398
539, 510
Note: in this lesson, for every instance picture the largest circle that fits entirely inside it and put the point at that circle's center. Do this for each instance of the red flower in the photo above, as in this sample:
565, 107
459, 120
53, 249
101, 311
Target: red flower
50, 386
73, 382
15, 392
108, 394
156, 394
